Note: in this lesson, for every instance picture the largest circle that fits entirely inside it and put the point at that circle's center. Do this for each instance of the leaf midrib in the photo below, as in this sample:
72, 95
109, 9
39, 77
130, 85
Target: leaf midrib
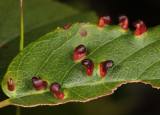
87, 84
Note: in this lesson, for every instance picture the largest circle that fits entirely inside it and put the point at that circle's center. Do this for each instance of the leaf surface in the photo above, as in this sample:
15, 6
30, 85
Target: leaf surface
136, 59
11, 49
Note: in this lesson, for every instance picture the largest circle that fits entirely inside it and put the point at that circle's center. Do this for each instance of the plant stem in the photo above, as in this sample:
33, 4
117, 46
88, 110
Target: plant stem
21, 43
18, 110
22, 28
4, 103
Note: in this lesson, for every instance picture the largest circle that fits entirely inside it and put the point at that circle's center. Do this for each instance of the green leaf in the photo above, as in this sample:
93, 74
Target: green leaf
136, 59
7, 54
36, 14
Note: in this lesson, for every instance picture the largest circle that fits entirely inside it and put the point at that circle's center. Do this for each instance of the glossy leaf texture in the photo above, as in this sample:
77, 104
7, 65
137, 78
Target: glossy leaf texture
136, 59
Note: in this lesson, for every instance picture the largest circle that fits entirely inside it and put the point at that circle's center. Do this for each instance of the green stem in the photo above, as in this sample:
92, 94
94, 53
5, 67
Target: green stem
5, 103
22, 28
18, 110
21, 43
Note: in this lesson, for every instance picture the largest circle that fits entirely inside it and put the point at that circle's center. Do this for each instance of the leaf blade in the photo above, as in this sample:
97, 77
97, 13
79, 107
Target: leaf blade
57, 64
6, 55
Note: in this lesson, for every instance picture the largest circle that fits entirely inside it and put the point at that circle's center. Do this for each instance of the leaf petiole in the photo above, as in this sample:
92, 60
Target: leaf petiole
5, 103
22, 28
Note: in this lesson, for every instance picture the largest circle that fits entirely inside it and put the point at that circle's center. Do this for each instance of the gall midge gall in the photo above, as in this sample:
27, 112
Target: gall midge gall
104, 67
45, 84
10, 84
101, 22
140, 27
123, 21
59, 95
90, 66
54, 88
107, 19
83, 32
79, 52
104, 20
38, 83
67, 26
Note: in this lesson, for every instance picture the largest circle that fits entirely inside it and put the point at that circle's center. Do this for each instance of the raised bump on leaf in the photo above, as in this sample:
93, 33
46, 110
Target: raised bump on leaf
90, 66
10, 84
104, 20
140, 27
107, 19
83, 32
79, 52
123, 21
67, 26
38, 83
54, 88
104, 67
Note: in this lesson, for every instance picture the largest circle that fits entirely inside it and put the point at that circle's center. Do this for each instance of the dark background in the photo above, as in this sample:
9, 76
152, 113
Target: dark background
146, 10
130, 99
